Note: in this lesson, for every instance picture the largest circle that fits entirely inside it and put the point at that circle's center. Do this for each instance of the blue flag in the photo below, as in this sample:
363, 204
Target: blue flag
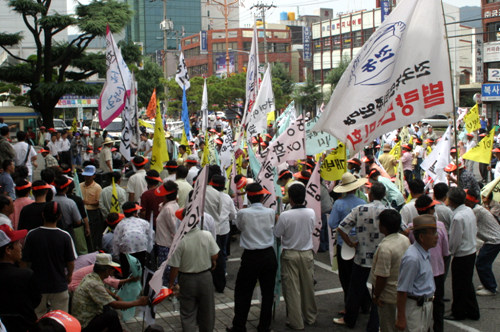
185, 114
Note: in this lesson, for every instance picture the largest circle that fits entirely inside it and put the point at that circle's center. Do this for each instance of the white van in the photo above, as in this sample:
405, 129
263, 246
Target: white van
114, 128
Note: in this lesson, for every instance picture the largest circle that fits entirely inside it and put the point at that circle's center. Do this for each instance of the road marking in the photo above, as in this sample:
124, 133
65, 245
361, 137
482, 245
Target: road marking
230, 305
462, 326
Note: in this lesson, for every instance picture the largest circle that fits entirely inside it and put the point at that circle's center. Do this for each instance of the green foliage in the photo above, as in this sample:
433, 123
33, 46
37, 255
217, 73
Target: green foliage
308, 95
148, 79
130, 51
334, 75
59, 68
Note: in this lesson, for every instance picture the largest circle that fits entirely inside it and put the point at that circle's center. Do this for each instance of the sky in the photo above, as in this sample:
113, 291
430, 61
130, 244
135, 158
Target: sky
272, 15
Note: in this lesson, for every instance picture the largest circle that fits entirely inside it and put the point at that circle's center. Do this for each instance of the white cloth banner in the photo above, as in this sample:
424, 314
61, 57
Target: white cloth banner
318, 141
290, 145
117, 86
252, 79
182, 76
286, 118
227, 149
130, 131
264, 103
204, 108
266, 179
194, 212
400, 76
439, 158
313, 201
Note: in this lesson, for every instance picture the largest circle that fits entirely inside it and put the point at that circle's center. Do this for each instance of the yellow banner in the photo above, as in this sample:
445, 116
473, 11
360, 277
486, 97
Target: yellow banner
396, 150
184, 141
145, 124
334, 164
159, 154
115, 204
471, 119
482, 151
493, 186
206, 152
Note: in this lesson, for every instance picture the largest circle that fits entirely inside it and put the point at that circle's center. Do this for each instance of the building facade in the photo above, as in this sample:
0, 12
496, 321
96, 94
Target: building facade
491, 59
213, 60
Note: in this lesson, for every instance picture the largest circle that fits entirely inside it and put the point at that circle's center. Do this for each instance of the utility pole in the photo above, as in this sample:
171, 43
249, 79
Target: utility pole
165, 25
262, 7
224, 8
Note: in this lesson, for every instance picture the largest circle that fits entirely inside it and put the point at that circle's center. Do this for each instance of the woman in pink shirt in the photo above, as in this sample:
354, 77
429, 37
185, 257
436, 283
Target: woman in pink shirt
23, 188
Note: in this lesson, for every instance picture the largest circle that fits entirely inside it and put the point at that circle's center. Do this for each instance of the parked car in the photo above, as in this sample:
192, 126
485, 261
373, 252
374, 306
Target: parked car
114, 129
437, 121
60, 125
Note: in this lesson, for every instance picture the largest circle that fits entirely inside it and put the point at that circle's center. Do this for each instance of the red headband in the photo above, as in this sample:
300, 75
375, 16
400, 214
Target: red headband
141, 164
157, 178
352, 161
240, 184
66, 184
191, 161
471, 198
45, 186
26, 186
284, 173
135, 208
423, 208
260, 192
170, 166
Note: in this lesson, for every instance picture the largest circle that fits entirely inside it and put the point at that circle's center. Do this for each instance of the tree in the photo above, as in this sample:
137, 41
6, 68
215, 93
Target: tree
148, 79
334, 75
60, 68
308, 96
282, 85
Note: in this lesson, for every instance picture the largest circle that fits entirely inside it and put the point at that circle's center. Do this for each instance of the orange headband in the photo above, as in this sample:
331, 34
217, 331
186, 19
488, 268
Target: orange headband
66, 184
471, 198
135, 208
45, 186
260, 192
26, 186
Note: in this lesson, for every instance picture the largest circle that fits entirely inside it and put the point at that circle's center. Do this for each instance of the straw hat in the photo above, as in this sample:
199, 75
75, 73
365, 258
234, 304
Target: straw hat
349, 183
387, 147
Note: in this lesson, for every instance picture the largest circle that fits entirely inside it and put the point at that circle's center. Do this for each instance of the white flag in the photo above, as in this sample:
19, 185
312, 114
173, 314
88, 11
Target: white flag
204, 108
313, 201
400, 76
117, 86
290, 145
194, 212
266, 178
130, 131
439, 158
182, 76
257, 118
227, 149
252, 81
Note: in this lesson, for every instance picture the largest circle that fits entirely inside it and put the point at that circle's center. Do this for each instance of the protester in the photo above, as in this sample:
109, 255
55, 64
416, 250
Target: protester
409, 212
6, 180
416, 283
25, 153
6, 209
18, 287
105, 199
23, 189
258, 261
137, 183
385, 268
105, 157
7, 151
51, 254
462, 243
295, 228
29, 217
91, 192
92, 303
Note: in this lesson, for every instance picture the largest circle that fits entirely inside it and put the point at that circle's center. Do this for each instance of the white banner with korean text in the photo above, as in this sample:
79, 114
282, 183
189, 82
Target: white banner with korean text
290, 145
264, 103
194, 214
400, 76
313, 201
318, 141
439, 158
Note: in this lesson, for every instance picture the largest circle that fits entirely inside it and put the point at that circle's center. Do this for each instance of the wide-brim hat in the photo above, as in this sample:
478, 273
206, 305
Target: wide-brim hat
108, 140
424, 221
349, 183
387, 147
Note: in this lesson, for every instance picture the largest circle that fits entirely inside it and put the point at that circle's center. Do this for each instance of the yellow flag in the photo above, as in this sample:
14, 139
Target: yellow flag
115, 203
334, 164
184, 141
400, 178
270, 117
396, 150
482, 151
471, 119
206, 152
159, 154
74, 125
145, 124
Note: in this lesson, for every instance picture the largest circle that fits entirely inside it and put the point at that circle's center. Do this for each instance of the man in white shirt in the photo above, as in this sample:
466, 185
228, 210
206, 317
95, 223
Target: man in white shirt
191, 163
227, 213
295, 228
469, 144
462, 242
25, 153
145, 146
137, 183
496, 171
258, 261
408, 212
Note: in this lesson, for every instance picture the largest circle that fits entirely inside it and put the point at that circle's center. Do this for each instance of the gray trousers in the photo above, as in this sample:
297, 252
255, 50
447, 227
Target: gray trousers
197, 303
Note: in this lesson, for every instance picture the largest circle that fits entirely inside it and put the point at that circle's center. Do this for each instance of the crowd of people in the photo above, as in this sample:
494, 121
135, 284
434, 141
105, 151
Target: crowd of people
74, 241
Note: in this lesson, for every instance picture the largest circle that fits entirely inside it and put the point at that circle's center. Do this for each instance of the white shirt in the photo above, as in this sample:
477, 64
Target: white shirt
469, 145
497, 170
193, 171
137, 184
53, 148
295, 228
63, 145
463, 232
227, 213
21, 148
5, 220
256, 224
409, 212
419, 151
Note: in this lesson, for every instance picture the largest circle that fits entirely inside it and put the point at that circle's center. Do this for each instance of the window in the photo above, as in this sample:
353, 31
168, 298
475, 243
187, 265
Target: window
493, 31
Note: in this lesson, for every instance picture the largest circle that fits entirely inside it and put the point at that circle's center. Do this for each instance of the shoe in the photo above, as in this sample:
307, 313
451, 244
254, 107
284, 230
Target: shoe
451, 317
480, 287
339, 321
485, 292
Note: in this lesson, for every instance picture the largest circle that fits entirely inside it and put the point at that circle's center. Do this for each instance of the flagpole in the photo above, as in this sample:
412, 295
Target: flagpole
455, 138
